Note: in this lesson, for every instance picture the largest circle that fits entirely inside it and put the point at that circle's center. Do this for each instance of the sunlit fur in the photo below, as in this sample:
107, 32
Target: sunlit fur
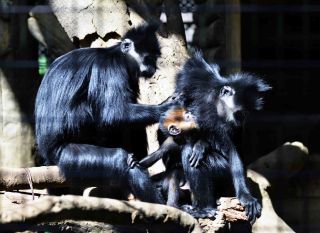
87, 116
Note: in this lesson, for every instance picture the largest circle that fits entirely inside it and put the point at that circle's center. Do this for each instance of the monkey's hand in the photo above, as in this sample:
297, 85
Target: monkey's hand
132, 161
174, 100
174, 97
198, 153
252, 207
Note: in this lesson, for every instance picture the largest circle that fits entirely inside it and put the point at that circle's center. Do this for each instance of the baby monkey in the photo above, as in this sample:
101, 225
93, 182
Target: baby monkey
178, 127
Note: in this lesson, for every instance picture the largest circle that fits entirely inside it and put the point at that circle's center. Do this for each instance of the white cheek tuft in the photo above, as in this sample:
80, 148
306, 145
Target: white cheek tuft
229, 102
226, 108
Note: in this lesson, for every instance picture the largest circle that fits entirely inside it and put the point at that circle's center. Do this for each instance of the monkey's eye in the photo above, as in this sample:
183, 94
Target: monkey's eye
188, 116
226, 91
126, 45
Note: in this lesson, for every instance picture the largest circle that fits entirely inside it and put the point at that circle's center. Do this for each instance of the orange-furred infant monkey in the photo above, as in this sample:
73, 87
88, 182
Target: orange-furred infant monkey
178, 126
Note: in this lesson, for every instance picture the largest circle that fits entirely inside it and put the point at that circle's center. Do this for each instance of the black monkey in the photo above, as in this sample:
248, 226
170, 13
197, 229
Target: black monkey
87, 116
219, 104
179, 127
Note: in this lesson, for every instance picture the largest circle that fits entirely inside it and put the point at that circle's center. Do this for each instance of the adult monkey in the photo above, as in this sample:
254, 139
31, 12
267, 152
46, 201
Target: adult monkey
198, 135
87, 116
220, 105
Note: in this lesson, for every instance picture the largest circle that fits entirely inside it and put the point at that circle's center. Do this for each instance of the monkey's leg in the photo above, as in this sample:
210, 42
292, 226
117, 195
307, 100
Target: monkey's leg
201, 187
173, 188
82, 162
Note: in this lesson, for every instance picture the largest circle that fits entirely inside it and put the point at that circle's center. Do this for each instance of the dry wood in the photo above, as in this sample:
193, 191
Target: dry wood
40, 177
52, 208
231, 209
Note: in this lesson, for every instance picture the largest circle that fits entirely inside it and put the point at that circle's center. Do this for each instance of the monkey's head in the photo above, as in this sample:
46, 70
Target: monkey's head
176, 121
213, 97
237, 95
142, 45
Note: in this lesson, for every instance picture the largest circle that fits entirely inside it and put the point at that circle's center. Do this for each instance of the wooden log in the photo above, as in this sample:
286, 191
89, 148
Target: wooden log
40, 177
133, 213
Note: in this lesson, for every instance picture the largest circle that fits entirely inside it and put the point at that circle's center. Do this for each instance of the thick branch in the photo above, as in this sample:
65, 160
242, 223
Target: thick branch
41, 177
52, 208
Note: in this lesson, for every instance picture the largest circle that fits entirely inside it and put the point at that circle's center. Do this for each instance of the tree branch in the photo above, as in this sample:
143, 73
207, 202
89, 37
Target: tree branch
40, 177
157, 218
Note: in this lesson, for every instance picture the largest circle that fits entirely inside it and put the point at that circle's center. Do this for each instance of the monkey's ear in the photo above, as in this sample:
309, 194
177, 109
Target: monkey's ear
126, 45
174, 130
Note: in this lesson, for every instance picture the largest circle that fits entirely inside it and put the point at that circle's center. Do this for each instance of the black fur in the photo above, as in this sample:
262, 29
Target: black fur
200, 84
87, 116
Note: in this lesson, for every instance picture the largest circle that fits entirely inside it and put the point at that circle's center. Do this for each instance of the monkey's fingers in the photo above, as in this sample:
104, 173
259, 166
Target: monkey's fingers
250, 213
195, 159
198, 162
131, 161
256, 212
191, 159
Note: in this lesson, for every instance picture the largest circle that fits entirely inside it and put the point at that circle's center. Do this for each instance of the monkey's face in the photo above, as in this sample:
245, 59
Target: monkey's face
179, 121
143, 59
143, 47
229, 107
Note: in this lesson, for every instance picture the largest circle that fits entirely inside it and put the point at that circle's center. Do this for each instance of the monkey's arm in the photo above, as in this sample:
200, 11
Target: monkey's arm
253, 208
168, 145
145, 114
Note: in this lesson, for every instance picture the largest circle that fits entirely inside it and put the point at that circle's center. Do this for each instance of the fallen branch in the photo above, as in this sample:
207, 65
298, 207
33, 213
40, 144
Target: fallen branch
125, 213
37, 177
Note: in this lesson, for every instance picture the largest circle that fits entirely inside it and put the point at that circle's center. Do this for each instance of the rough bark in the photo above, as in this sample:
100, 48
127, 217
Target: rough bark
158, 218
39, 177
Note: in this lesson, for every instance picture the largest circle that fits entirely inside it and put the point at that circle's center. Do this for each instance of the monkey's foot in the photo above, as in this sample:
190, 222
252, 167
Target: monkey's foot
207, 212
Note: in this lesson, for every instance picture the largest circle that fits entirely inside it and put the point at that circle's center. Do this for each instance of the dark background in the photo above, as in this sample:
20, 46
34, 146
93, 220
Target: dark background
281, 42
